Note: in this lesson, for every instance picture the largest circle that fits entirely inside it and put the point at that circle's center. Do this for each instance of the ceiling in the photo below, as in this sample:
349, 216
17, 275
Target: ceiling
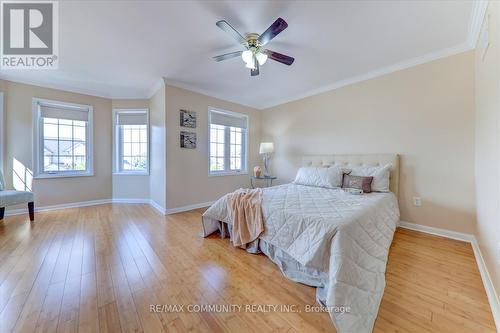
122, 49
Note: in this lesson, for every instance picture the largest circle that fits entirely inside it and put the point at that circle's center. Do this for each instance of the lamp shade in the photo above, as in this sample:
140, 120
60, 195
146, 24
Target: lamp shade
266, 147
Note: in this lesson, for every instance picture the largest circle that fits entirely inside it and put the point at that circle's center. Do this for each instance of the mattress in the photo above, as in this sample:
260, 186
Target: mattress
330, 239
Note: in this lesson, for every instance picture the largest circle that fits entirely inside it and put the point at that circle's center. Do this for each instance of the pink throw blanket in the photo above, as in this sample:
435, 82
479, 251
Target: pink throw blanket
246, 213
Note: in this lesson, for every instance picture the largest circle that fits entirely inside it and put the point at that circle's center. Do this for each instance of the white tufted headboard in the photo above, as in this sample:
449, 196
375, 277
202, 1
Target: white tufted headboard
358, 160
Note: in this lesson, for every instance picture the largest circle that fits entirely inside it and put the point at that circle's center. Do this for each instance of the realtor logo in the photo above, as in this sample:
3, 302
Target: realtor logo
29, 33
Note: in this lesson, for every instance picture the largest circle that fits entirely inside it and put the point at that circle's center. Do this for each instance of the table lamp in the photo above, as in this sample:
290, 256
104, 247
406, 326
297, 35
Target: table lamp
266, 149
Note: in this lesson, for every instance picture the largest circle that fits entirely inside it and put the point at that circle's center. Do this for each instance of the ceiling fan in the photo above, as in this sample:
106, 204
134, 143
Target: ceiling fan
255, 54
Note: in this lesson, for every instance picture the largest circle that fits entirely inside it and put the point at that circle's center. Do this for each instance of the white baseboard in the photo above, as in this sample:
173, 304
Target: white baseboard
483, 269
188, 207
131, 200
437, 231
158, 207
162, 210
18, 211
488, 284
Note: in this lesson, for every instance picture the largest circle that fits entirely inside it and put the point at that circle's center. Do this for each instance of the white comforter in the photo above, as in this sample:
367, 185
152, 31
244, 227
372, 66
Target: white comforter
346, 236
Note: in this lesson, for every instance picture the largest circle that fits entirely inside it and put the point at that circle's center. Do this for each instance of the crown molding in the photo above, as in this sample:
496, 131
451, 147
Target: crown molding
62, 87
479, 8
376, 73
177, 84
67, 88
157, 86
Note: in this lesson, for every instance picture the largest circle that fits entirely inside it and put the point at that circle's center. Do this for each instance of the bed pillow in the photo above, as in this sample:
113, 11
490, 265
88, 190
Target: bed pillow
380, 174
335, 174
358, 182
312, 176
329, 177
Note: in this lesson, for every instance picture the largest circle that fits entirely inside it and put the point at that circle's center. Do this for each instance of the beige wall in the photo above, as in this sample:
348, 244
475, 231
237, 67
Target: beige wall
425, 113
130, 186
19, 139
488, 147
157, 167
188, 181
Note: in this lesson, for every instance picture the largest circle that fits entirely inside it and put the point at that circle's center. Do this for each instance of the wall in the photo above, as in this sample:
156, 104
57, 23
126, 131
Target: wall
424, 113
130, 186
188, 181
488, 146
19, 138
157, 167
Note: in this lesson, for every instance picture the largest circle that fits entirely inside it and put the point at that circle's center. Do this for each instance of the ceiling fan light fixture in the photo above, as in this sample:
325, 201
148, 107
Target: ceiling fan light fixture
250, 65
247, 56
261, 58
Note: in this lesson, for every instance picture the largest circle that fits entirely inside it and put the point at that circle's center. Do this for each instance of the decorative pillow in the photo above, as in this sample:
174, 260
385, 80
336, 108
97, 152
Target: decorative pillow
357, 182
380, 174
312, 176
335, 174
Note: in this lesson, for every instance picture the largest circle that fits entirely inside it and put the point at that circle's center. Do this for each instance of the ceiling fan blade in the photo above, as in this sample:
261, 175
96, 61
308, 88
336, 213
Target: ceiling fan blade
278, 26
230, 30
255, 72
284, 59
227, 56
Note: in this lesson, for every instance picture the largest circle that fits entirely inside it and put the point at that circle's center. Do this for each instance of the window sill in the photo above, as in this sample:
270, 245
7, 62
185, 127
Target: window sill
125, 173
63, 175
228, 173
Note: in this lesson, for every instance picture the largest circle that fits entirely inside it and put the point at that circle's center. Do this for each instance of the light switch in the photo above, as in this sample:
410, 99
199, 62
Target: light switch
417, 201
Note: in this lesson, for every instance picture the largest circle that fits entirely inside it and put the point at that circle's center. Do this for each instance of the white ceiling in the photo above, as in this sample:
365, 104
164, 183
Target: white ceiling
122, 49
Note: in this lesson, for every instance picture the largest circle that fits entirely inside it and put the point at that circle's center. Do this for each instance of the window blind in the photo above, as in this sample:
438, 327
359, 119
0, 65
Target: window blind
132, 118
228, 119
50, 111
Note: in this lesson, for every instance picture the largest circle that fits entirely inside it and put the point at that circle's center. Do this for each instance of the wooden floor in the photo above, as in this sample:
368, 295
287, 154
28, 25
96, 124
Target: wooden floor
101, 268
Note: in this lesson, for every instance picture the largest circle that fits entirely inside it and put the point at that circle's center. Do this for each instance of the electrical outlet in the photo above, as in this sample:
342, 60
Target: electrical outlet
417, 201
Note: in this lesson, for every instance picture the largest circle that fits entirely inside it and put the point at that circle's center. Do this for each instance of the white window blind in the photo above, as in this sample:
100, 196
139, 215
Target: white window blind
60, 112
228, 119
131, 118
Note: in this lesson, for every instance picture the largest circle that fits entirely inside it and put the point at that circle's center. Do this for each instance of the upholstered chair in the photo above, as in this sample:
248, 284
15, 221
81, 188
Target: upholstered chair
12, 197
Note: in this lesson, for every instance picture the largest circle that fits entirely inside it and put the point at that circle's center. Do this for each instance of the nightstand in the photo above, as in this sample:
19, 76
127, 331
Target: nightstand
268, 179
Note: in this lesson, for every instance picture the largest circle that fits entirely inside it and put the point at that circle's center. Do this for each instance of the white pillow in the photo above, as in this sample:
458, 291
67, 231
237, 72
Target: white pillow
335, 174
319, 177
380, 174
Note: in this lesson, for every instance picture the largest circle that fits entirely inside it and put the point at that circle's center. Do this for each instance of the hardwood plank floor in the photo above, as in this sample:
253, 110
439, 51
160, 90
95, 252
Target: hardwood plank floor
101, 268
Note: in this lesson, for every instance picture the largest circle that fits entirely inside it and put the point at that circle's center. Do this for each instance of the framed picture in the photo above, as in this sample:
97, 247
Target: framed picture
188, 118
188, 140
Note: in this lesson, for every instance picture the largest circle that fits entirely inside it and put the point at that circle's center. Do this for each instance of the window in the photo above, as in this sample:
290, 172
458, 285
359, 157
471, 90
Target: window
228, 142
131, 142
62, 139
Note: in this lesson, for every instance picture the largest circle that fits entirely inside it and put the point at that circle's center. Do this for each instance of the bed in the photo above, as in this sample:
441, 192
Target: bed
327, 238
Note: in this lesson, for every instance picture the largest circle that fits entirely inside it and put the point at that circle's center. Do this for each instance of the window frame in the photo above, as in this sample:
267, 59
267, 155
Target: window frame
117, 144
227, 148
38, 171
